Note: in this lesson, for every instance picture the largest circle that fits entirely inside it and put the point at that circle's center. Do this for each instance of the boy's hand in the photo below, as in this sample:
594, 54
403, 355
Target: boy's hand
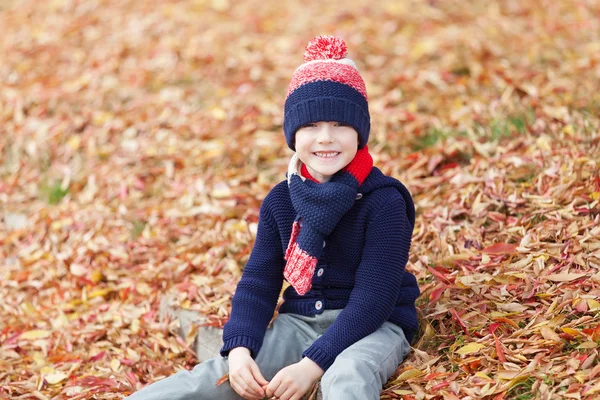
294, 381
244, 376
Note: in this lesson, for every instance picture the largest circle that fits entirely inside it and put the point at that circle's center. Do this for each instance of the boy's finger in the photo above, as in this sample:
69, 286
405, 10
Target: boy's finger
251, 385
271, 387
258, 376
287, 395
296, 396
280, 392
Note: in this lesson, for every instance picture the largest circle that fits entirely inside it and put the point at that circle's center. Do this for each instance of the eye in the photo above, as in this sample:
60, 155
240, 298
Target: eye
340, 124
309, 125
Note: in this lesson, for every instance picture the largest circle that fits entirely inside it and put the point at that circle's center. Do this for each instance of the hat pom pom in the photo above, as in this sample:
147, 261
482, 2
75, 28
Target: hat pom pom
325, 48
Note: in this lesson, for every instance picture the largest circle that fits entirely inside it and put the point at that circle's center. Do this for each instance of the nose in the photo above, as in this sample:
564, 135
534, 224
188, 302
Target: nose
324, 135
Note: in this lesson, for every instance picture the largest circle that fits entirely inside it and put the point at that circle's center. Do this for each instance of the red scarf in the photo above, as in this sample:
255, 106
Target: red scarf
319, 208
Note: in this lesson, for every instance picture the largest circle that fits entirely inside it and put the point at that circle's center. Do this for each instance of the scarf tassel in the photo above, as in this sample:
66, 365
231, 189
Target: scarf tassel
300, 265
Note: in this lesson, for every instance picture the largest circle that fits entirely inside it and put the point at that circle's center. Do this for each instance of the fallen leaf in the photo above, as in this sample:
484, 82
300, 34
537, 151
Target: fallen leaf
35, 334
500, 248
222, 380
55, 377
549, 334
563, 277
470, 349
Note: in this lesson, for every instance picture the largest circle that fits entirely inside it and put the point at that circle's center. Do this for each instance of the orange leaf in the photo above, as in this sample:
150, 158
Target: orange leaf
507, 321
222, 380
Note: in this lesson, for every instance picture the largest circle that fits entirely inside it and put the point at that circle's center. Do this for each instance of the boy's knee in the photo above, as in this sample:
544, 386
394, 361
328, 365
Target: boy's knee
347, 371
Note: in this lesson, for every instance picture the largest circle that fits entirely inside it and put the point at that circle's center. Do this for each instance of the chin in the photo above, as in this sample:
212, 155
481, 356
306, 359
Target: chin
329, 172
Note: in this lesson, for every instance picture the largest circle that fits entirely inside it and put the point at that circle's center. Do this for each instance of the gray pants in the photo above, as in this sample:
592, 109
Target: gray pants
359, 372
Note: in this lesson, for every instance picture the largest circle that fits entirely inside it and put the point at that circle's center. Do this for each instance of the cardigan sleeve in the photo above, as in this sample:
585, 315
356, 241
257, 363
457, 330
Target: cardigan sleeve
257, 292
377, 284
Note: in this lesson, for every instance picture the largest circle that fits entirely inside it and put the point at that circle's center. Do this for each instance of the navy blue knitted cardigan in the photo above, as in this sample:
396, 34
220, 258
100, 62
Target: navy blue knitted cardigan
360, 270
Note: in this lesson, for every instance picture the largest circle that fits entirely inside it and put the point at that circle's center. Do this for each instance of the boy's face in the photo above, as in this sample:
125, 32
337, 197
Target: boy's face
325, 147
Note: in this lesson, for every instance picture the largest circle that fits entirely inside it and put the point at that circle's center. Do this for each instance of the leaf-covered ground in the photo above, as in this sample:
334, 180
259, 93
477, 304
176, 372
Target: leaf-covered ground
137, 140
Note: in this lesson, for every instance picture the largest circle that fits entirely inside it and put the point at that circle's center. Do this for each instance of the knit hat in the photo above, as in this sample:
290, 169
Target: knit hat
327, 87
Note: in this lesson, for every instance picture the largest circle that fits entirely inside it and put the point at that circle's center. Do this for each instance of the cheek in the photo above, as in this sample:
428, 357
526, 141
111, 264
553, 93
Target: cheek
352, 143
302, 145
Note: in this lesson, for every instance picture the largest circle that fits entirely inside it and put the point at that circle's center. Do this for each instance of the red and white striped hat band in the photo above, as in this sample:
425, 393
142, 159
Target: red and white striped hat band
328, 70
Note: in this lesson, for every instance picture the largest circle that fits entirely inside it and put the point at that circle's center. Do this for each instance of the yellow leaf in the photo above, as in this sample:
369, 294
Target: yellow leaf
593, 304
568, 129
544, 143
221, 190
132, 355
35, 334
588, 345
74, 142
487, 389
115, 364
595, 195
218, 113
402, 392
498, 314
60, 321
409, 374
55, 377
469, 349
143, 288
100, 118
29, 308
570, 331
39, 359
47, 370
99, 293
517, 379
220, 5
483, 376
580, 376
423, 47
135, 326
77, 269
97, 276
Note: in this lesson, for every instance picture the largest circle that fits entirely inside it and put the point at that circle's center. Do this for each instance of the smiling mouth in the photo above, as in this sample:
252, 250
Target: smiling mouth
326, 154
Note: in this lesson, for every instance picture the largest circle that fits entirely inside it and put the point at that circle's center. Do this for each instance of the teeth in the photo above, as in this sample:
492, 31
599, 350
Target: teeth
326, 155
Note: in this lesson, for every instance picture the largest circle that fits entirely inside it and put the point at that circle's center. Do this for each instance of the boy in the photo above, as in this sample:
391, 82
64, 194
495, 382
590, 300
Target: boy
339, 231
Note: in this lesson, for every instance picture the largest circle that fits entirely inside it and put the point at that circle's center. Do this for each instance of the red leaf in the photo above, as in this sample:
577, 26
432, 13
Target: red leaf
493, 327
500, 248
98, 356
131, 378
440, 275
432, 376
499, 350
440, 386
437, 292
460, 321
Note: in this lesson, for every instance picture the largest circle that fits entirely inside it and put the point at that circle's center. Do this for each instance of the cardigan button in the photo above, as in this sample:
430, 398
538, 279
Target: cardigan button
319, 305
359, 196
324, 243
320, 271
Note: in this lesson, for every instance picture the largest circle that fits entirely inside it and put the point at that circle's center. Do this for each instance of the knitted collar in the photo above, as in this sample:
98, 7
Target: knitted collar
319, 207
